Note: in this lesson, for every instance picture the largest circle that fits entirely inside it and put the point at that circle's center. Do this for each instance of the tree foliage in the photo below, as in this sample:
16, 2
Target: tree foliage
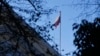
18, 38
87, 38
32, 11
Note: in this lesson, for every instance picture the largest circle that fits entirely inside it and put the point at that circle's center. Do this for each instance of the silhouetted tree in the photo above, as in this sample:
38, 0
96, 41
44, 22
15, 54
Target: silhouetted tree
87, 38
16, 37
34, 10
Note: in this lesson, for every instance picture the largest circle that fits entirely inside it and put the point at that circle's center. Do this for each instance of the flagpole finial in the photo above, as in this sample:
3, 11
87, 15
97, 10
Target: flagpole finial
60, 12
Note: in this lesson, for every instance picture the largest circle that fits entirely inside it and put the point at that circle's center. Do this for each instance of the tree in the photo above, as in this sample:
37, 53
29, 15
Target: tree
21, 35
87, 38
34, 10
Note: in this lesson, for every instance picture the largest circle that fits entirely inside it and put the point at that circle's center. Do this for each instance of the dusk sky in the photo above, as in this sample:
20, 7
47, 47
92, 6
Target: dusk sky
68, 13
68, 17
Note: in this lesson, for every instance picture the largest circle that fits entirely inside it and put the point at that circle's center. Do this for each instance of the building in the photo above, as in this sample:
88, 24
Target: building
17, 38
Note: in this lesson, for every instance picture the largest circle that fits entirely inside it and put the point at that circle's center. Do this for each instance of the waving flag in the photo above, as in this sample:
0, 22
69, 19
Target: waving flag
58, 21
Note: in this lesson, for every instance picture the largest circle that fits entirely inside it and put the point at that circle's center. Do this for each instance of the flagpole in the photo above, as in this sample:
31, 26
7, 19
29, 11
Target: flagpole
60, 33
56, 24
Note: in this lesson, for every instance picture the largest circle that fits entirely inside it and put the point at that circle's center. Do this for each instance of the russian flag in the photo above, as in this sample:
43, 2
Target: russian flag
58, 21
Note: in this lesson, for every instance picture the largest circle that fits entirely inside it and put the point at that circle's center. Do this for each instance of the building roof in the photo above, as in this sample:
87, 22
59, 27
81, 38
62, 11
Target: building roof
17, 36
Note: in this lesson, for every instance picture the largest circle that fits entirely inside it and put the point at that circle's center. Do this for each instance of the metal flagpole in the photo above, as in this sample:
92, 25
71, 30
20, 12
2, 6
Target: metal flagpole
60, 33
56, 24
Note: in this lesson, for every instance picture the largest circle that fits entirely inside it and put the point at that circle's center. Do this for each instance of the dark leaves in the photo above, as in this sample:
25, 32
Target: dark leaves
87, 38
75, 26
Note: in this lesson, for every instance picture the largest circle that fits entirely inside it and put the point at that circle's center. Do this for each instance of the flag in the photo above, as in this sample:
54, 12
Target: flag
58, 21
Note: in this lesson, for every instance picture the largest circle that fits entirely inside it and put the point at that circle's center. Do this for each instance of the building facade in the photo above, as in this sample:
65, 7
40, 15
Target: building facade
17, 38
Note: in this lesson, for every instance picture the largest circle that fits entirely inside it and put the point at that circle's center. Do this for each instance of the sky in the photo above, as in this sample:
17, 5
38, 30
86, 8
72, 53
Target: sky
68, 17
68, 13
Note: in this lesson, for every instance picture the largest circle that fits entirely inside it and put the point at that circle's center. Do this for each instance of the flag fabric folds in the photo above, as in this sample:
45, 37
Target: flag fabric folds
58, 21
